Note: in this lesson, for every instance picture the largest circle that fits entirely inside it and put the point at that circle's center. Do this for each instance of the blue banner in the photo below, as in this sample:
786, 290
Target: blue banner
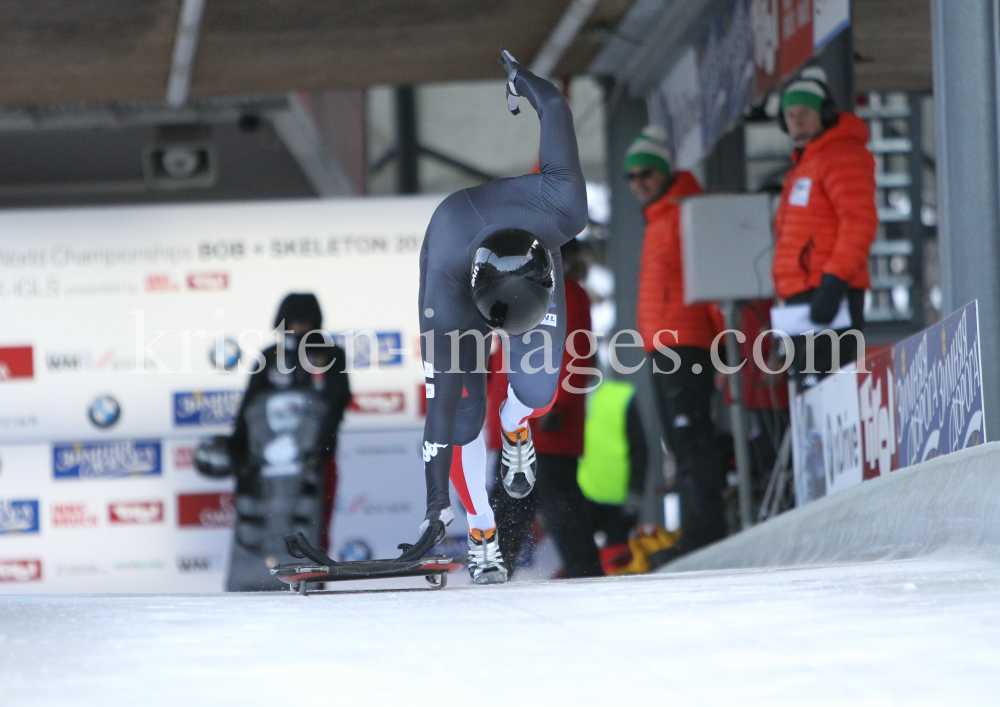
18, 517
206, 408
389, 345
939, 389
725, 71
103, 460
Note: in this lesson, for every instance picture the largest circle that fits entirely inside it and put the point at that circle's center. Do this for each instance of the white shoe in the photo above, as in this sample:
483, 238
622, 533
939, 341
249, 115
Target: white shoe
517, 462
486, 563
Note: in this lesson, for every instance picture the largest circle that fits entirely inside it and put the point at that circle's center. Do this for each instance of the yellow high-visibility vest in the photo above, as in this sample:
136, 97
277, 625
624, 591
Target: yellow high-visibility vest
603, 473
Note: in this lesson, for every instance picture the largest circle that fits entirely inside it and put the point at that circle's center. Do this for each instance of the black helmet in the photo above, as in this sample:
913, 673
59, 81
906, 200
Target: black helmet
512, 281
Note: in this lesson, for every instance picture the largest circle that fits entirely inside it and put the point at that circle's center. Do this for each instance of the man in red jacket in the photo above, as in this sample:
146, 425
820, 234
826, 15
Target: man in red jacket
558, 436
683, 375
827, 219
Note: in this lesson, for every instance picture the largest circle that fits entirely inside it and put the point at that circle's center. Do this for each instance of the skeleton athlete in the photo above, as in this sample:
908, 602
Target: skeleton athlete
490, 262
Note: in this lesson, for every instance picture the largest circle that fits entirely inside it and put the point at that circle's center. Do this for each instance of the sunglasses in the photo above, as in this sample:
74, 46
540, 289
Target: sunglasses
641, 174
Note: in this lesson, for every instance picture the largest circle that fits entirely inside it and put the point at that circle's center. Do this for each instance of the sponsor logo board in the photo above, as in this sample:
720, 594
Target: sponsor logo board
76, 361
161, 282
876, 398
18, 422
80, 569
206, 510
184, 457
16, 362
104, 412
939, 389
194, 564
101, 460
208, 281
225, 354
136, 512
383, 403
206, 408
130, 565
73, 515
388, 348
20, 570
18, 517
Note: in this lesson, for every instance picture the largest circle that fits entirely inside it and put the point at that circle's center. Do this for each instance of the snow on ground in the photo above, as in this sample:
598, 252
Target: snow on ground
907, 633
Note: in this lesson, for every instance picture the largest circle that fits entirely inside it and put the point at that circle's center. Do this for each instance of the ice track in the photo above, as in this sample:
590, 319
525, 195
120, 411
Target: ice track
915, 632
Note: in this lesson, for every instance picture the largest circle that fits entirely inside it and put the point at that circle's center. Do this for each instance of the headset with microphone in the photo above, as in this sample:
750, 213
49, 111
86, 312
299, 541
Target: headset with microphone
828, 111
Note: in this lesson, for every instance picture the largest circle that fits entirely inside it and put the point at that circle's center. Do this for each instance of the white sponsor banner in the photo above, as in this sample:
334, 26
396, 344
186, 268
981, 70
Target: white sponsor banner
827, 455
113, 320
842, 431
109, 534
134, 315
808, 461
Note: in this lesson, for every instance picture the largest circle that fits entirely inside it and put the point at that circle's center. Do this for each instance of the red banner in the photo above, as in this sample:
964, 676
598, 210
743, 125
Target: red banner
782, 39
796, 35
876, 399
206, 510
16, 362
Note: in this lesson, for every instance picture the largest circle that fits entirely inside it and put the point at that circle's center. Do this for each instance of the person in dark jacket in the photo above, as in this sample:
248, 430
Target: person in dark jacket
284, 445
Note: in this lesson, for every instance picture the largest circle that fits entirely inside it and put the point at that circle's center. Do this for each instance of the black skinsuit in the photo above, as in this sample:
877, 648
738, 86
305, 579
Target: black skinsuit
552, 206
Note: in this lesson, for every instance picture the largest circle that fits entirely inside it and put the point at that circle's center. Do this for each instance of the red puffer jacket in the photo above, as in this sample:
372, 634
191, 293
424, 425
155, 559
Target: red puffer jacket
661, 277
827, 218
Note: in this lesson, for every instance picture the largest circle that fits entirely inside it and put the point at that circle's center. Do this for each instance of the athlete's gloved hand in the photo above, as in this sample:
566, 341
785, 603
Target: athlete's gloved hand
509, 64
826, 299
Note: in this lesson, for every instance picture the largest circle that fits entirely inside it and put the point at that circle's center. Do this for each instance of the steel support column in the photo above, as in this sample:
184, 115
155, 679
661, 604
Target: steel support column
966, 49
408, 150
626, 117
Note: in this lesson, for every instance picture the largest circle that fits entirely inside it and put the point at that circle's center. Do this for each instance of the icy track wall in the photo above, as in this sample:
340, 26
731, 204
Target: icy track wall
97, 486
947, 507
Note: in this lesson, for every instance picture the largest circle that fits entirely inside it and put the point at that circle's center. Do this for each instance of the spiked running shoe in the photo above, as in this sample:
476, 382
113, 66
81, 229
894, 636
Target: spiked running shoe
517, 462
486, 563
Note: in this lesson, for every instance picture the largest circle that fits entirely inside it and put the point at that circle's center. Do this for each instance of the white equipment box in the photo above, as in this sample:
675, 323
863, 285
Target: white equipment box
727, 247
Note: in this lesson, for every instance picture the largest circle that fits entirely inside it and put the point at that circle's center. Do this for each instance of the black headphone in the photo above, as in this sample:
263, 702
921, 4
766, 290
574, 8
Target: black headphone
828, 112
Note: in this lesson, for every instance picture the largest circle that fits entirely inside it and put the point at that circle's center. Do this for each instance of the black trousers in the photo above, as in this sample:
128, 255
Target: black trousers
613, 520
684, 402
564, 512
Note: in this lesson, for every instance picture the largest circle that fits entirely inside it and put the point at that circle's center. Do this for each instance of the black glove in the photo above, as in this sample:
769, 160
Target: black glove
826, 299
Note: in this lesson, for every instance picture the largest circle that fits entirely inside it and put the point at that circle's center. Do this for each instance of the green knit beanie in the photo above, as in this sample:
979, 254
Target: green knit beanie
808, 90
650, 149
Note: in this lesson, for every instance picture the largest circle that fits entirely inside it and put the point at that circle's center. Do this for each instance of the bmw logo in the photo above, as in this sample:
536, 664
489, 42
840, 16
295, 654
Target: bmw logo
104, 412
355, 551
225, 354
